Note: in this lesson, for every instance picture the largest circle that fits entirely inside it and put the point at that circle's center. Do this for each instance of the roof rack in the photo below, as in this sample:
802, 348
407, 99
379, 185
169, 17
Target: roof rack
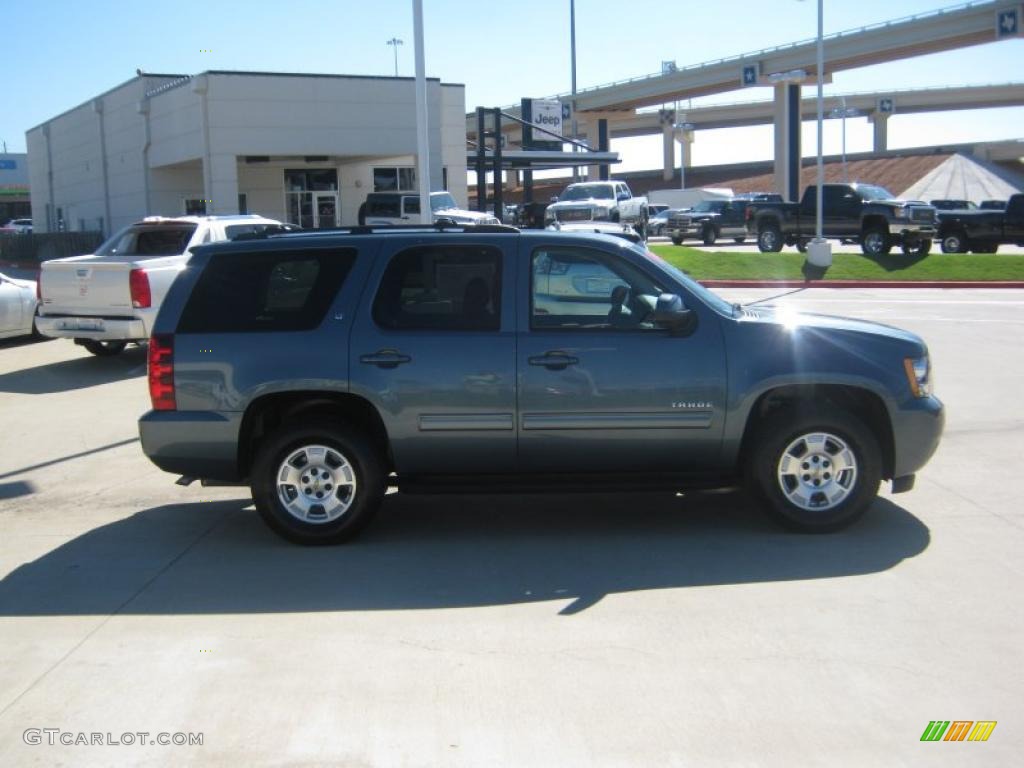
441, 225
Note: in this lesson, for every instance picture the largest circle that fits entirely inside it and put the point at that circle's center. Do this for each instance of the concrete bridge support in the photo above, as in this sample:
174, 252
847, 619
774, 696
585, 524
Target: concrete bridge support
880, 123
787, 140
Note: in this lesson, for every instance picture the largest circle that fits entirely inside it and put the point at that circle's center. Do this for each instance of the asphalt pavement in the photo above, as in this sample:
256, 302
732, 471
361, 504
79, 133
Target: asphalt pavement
594, 630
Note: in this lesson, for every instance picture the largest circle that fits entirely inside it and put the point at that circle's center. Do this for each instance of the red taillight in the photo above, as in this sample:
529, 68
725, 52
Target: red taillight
161, 372
138, 284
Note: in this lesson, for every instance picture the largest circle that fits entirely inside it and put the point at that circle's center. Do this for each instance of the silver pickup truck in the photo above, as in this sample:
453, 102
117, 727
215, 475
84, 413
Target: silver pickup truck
110, 298
599, 201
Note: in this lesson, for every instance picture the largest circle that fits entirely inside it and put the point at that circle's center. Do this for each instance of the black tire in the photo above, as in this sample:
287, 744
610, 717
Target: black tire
709, 235
104, 348
801, 245
677, 241
954, 242
353, 447
739, 240
769, 239
778, 432
876, 241
920, 248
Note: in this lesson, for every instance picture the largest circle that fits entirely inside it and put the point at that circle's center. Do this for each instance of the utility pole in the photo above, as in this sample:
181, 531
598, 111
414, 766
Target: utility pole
395, 42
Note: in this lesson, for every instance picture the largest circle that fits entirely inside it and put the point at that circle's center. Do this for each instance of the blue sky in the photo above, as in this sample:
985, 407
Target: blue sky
61, 53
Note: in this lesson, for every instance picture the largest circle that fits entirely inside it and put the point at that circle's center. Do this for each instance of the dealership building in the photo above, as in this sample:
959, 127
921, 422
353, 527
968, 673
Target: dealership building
301, 148
14, 197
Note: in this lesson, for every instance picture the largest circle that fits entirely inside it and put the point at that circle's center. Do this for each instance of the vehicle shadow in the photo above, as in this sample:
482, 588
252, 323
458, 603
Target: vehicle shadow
79, 373
896, 260
444, 552
22, 341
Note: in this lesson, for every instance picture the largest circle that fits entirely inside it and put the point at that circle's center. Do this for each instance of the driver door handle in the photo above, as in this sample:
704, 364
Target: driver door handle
385, 358
554, 361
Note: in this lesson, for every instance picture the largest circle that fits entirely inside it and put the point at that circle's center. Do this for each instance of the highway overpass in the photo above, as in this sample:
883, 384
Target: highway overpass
785, 67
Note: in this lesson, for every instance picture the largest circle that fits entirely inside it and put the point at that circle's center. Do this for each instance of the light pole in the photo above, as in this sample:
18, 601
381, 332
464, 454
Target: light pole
572, 51
395, 42
819, 250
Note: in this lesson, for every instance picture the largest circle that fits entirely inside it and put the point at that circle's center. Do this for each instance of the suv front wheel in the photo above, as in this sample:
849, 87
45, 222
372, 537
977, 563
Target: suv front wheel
817, 470
317, 483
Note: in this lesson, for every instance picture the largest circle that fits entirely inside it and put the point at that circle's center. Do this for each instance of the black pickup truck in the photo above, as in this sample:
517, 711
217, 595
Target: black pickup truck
982, 231
865, 213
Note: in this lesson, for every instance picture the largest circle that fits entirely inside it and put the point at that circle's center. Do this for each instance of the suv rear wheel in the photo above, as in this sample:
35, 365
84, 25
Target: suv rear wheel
317, 483
817, 470
103, 348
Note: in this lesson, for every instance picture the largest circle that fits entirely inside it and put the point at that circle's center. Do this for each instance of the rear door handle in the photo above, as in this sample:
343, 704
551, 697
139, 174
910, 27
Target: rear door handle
554, 361
385, 358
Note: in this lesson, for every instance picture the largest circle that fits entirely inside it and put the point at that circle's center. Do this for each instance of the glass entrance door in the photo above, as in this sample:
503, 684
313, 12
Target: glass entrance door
326, 209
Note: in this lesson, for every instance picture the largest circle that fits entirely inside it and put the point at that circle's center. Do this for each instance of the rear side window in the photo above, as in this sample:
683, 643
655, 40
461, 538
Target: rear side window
445, 287
265, 291
149, 240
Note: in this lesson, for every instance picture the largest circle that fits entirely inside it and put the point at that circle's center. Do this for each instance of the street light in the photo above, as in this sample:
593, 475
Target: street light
395, 42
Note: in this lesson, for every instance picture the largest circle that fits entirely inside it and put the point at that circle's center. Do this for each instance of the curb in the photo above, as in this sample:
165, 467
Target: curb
862, 283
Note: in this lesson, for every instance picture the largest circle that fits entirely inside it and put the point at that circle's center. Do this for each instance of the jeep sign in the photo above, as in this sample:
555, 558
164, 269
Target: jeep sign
547, 114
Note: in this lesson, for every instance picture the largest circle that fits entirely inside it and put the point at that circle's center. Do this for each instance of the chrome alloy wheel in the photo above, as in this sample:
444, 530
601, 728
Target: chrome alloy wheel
316, 484
817, 471
874, 242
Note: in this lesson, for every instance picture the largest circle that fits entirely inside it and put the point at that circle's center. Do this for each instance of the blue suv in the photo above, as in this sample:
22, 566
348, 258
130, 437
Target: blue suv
320, 368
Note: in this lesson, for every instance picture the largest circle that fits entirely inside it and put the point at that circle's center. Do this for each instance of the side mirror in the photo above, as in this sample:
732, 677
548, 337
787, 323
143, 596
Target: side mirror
671, 313
554, 198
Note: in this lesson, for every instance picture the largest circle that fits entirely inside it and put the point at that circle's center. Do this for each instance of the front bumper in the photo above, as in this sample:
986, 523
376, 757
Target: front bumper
917, 428
86, 327
201, 444
690, 231
912, 229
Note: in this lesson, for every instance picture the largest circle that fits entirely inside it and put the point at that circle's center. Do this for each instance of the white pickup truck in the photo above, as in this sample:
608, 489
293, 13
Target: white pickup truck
107, 299
599, 201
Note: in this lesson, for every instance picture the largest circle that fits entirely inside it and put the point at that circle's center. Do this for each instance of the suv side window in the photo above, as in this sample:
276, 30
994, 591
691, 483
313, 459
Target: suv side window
442, 287
412, 205
586, 289
384, 205
265, 291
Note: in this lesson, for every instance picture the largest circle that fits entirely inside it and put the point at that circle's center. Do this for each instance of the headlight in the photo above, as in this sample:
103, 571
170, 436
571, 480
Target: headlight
601, 214
902, 212
919, 375
549, 215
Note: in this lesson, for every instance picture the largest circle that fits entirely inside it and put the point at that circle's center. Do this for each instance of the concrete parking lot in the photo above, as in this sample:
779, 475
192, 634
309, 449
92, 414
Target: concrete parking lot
643, 630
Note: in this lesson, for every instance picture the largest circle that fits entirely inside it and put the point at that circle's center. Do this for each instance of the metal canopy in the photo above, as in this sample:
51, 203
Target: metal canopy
538, 160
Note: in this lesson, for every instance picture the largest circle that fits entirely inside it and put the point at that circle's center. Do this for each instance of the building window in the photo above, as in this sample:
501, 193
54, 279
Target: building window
195, 206
243, 203
398, 179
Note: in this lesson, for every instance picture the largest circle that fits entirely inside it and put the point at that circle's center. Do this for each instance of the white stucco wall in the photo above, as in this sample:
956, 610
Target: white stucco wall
202, 129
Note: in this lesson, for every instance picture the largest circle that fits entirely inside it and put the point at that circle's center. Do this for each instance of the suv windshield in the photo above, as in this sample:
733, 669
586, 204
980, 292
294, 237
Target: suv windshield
441, 200
149, 240
588, 191
871, 192
713, 300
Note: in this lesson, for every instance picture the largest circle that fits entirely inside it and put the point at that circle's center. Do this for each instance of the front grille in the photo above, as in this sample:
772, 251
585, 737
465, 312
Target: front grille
922, 214
573, 214
679, 222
